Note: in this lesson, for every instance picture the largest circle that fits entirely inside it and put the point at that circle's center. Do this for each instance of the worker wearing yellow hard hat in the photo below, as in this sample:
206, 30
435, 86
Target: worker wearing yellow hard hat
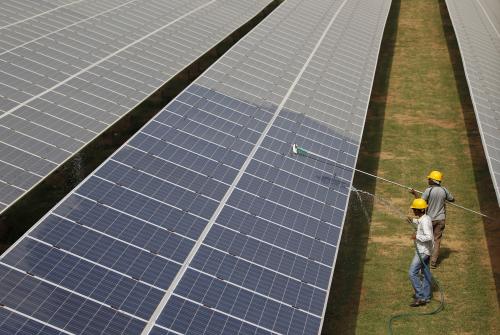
436, 196
419, 203
424, 241
435, 176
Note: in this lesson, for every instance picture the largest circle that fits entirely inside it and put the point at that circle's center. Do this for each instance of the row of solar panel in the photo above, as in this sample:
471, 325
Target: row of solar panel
65, 84
71, 236
140, 184
40, 300
16, 11
63, 241
233, 239
14, 323
477, 28
139, 286
140, 300
246, 234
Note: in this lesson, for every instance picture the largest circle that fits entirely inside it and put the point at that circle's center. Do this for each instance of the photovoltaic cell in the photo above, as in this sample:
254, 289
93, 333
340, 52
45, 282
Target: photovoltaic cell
39, 299
477, 28
70, 69
13, 323
204, 214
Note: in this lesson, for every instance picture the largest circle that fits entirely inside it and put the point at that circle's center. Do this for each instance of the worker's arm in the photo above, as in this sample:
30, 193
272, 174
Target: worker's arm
449, 196
415, 193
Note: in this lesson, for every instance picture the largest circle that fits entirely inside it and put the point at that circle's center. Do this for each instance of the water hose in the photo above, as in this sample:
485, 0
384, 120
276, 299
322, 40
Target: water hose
433, 281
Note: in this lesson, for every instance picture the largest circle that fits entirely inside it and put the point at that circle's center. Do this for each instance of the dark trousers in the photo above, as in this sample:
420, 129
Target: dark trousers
438, 227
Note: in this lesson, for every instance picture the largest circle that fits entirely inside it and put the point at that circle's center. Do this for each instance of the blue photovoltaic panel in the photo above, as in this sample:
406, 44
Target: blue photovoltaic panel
204, 216
70, 69
41, 300
14, 323
477, 28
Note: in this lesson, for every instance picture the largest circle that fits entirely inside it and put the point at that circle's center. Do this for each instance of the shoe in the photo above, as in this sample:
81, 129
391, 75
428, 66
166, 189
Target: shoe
418, 302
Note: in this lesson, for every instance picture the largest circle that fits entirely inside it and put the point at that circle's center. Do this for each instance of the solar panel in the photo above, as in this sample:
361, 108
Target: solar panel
203, 222
69, 70
477, 27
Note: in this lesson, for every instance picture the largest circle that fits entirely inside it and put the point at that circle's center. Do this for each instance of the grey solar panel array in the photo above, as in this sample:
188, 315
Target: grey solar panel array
69, 70
477, 27
202, 223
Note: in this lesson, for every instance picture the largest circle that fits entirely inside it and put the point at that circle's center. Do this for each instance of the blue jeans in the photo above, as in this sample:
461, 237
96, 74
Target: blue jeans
422, 286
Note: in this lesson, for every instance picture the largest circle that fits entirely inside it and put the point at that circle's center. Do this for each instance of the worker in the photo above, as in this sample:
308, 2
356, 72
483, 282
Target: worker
424, 241
436, 197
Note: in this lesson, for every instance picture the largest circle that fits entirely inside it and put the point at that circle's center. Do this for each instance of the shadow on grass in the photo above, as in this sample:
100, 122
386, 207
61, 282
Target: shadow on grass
444, 253
345, 292
487, 199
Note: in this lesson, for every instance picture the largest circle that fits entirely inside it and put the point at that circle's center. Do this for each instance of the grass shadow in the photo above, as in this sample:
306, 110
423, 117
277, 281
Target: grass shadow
345, 292
487, 198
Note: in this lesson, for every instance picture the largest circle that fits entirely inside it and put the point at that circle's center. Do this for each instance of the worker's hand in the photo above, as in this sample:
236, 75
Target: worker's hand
412, 191
414, 236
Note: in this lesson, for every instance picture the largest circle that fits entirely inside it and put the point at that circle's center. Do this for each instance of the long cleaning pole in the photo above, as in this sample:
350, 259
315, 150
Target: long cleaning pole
302, 152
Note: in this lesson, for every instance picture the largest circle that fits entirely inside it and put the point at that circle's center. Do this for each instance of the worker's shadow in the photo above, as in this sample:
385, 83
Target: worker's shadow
444, 253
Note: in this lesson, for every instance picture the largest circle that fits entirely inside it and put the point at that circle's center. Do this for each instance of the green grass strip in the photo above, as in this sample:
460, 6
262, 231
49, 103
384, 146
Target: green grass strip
420, 119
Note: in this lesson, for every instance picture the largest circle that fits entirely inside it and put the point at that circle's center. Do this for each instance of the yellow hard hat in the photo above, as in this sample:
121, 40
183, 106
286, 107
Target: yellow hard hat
435, 175
419, 204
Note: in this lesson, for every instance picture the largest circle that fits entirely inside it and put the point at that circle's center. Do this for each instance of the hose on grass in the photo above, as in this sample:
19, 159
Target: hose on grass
434, 281
438, 309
